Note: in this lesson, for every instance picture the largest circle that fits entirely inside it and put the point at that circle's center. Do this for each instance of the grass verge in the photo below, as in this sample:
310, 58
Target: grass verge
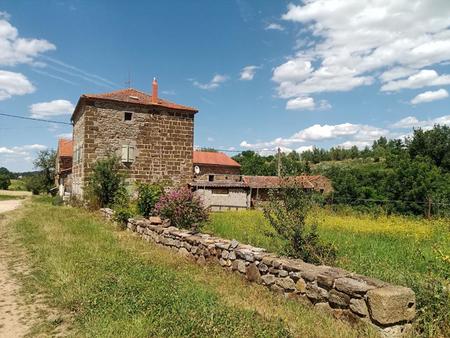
117, 285
399, 250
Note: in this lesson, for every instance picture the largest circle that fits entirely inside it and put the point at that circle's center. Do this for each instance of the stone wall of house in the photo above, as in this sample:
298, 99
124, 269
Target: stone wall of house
388, 308
78, 143
162, 141
217, 200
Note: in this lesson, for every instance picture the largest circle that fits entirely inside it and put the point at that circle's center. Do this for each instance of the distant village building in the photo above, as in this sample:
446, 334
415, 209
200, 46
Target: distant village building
63, 176
152, 137
219, 183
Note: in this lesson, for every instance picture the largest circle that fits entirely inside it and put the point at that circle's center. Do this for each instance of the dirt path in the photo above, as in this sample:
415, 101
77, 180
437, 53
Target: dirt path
17, 317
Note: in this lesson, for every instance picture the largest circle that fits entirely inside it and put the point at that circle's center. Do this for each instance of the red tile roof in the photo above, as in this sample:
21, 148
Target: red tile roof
214, 158
131, 95
269, 182
65, 148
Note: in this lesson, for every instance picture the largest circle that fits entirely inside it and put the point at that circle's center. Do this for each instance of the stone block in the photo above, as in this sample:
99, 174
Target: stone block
338, 299
263, 267
155, 220
268, 279
352, 286
286, 283
391, 304
359, 306
300, 285
252, 273
316, 294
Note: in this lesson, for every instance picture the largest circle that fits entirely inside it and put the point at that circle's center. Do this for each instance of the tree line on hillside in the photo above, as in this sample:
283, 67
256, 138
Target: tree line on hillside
410, 176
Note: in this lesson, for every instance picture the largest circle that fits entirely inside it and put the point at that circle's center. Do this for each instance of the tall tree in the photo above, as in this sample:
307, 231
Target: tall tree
46, 163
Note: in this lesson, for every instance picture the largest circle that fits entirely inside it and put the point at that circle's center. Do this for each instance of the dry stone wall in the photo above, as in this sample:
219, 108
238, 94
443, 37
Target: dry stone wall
388, 308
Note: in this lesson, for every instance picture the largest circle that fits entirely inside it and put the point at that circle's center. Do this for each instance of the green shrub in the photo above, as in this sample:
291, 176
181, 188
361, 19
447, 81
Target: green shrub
5, 181
34, 184
286, 211
148, 195
182, 208
122, 214
106, 185
57, 200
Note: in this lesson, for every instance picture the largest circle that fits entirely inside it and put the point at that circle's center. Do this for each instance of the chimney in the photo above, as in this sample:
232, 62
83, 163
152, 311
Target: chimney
154, 91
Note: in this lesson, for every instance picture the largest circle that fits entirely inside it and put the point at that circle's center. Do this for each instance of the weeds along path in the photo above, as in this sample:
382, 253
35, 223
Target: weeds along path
19, 311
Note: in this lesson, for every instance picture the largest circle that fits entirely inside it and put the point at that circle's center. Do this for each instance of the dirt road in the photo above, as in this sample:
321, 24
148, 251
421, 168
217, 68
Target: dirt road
9, 205
14, 314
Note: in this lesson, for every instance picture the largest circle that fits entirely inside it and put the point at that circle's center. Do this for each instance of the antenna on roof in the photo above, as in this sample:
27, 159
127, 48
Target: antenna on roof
129, 80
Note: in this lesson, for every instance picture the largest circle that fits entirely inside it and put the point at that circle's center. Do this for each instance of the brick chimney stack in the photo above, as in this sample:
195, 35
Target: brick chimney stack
154, 91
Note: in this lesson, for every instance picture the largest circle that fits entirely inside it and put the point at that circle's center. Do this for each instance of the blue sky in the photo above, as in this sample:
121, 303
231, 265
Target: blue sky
263, 74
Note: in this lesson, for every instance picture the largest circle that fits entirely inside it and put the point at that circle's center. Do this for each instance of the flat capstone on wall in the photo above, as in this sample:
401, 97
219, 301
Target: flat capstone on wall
388, 308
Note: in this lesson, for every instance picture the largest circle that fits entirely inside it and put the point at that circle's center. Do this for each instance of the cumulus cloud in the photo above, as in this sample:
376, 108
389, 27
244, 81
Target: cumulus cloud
306, 103
14, 49
274, 26
14, 84
358, 42
19, 158
215, 82
50, 109
357, 133
430, 96
413, 122
248, 73
423, 78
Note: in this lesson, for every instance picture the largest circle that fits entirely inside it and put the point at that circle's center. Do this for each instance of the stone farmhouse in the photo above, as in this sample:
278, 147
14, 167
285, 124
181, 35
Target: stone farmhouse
154, 139
152, 136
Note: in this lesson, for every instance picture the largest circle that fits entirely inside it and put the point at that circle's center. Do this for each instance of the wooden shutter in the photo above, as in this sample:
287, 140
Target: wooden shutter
124, 153
130, 154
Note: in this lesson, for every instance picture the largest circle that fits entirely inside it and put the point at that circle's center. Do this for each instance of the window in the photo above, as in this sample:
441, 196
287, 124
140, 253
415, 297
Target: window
127, 116
220, 191
127, 154
210, 178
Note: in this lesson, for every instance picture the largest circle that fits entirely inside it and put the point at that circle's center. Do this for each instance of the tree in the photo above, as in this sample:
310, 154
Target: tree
106, 184
434, 144
46, 162
4, 181
287, 211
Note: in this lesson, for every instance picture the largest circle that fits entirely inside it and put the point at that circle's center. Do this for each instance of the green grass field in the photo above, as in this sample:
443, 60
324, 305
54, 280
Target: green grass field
10, 197
399, 250
115, 285
18, 185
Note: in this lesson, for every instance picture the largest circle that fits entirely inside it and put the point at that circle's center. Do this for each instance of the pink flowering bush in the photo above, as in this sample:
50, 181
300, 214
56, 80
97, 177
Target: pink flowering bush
182, 208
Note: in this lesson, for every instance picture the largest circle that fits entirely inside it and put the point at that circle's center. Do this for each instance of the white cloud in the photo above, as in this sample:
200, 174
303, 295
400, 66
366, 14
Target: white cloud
430, 96
248, 73
14, 49
413, 122
306, 103
423, 78
300, 103
357, 133
19, 158
50, 109
14, 84
215, 82
357, 42
65, 135
304, 148
274, 26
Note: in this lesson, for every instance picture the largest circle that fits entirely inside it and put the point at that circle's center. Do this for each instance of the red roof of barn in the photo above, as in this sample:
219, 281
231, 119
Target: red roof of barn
214, 158
65, 148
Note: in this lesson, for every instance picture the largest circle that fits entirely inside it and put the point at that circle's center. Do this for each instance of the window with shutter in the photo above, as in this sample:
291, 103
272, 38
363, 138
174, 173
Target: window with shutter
124, 153
130, 154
